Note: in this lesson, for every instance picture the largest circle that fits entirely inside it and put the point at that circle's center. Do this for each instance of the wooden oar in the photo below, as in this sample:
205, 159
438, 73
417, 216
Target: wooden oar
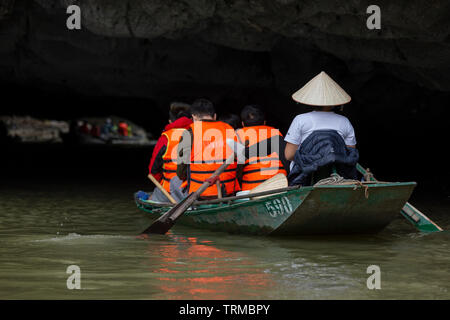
160, 187
413, 215
167, 220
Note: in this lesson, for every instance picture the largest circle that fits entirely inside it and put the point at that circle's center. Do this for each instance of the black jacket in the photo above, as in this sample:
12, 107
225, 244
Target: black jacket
321, 148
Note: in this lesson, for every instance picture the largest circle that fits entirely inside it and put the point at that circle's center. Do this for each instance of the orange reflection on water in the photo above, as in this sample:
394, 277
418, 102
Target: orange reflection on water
191, 269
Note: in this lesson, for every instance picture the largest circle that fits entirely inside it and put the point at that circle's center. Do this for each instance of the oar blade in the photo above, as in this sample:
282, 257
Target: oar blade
159, 227
419, 220
167, 220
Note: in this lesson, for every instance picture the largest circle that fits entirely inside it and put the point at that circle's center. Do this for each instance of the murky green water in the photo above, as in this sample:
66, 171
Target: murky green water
43, 230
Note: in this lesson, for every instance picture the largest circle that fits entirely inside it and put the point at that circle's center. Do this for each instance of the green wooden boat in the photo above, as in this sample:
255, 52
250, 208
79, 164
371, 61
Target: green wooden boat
327, 209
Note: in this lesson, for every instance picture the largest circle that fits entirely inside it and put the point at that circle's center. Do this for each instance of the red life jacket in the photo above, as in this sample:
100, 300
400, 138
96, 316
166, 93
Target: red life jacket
170, 156
208, 152
258, 169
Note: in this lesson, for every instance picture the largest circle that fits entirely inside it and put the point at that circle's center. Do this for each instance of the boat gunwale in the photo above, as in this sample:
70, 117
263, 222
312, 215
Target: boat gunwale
220, 204
376, 185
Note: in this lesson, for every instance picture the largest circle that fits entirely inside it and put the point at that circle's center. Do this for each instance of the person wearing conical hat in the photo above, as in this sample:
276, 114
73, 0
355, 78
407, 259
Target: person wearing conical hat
323, 93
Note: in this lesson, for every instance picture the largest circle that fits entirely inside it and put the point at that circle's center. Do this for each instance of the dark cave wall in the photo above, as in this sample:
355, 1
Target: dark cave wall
234, 52
137, 48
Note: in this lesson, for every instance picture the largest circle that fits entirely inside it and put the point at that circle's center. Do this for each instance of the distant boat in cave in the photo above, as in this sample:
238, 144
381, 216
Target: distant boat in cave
112, 130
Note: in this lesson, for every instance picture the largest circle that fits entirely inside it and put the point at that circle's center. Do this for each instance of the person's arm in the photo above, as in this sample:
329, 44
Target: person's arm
239, 172
182, 171
350, 139
184, 154
155, 168
289, 151
293, 137
282, 155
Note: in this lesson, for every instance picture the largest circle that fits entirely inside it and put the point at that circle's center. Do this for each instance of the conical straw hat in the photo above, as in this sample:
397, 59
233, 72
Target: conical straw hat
321, 91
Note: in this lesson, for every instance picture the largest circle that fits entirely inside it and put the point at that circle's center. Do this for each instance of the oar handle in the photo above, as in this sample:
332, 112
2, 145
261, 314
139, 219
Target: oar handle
365, 173
219, 190
160, 187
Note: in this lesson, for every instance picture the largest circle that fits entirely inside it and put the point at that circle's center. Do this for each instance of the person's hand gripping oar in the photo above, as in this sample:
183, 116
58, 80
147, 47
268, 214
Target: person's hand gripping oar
167, 220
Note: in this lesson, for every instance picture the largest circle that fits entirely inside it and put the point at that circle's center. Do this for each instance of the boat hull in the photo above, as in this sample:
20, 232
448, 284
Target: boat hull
337, 209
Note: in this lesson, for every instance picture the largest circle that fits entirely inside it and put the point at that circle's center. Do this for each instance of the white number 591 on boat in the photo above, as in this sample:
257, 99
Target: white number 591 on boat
278, 206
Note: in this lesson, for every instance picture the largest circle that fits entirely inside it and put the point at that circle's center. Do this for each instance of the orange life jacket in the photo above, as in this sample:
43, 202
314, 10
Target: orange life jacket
209, 151
170, 156
258, 169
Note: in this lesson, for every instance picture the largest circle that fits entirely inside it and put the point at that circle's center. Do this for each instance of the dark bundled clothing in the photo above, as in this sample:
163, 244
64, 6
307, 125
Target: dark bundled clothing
322, 148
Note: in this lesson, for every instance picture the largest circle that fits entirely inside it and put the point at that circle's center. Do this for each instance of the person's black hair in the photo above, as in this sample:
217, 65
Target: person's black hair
178, 110
232, 119
202, 107
252, 115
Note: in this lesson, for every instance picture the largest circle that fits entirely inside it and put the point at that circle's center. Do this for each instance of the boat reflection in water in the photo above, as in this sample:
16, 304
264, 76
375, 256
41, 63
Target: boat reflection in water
189, 268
